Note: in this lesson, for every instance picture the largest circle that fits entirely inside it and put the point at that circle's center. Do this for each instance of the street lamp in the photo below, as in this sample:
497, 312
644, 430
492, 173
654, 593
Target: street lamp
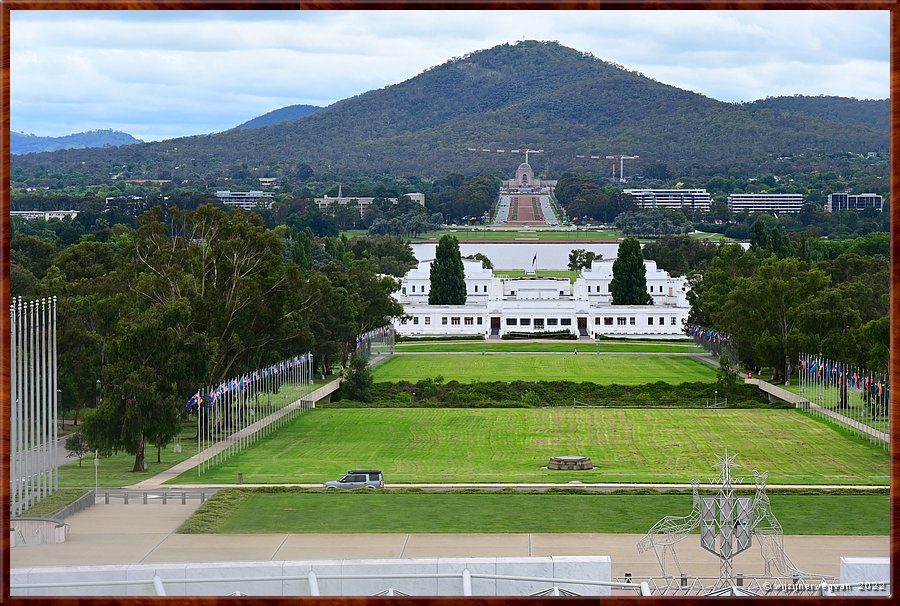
98, 393
716, 401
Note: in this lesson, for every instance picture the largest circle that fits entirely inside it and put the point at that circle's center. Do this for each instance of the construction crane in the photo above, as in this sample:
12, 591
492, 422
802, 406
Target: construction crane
509, 151
621, 160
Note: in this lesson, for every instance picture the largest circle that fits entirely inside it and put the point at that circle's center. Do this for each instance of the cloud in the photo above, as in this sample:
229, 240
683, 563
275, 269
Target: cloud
172, 73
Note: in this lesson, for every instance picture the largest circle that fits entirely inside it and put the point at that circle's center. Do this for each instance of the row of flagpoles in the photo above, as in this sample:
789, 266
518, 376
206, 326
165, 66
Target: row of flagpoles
376, 345
239, 411
33, 395
859, 395
713, 340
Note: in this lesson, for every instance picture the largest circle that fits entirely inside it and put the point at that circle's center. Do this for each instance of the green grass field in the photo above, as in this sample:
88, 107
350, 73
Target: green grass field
624, 370
540, 273
249, 512
450, 445
507, 235
828, 397
550, 346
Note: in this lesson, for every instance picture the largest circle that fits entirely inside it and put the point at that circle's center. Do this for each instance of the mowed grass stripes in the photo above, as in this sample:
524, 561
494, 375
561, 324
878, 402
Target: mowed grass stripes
446, 445
242, 512
623, 370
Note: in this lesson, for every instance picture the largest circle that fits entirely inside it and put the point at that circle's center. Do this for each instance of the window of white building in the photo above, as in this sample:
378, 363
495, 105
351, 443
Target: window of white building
454, 321
444, 320
565, 322
650, 321
469, 321
662, 321
620, 321
552, 321
415, 319
607, 321
511, 321
631, 320
673, 321
525, 322
598, 320
427, 319
539, 322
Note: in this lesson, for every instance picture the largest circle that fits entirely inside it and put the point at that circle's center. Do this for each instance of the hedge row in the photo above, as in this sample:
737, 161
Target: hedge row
531, 394
545, 334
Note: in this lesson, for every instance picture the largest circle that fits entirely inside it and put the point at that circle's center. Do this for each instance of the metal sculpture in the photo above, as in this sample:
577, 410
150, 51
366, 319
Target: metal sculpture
663, 536
728, 525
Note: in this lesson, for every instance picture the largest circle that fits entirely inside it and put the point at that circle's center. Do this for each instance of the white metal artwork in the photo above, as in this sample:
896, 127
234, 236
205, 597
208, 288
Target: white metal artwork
728, 524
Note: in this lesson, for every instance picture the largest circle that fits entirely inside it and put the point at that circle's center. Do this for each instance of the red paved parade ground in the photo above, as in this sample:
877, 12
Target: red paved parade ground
523, 209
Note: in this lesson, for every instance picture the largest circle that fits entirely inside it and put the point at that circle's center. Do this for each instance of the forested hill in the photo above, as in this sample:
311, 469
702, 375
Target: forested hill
875, 113
285, 114
21, 143
530, 94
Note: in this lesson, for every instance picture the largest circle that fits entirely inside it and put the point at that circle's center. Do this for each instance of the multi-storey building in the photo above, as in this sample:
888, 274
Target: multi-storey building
246, 200
327, 204
495, 306
46, 215
846, 201
676, 199
765, 203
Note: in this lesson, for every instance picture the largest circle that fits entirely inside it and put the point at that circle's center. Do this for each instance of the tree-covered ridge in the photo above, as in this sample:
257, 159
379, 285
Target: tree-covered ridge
284, 114
528, 94
875, 113
21, 143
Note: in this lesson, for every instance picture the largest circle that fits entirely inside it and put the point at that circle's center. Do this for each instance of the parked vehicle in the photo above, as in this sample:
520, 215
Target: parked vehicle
358, 478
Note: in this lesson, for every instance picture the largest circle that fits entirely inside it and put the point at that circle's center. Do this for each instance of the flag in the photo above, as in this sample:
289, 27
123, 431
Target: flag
193, 401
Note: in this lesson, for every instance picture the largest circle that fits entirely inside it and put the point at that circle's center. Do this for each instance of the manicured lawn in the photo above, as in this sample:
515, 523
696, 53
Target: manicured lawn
828, 397
451, 445
502, 235
116, 470
540, 273
715, 237
624, 370
54, 502
250, 512
550, 346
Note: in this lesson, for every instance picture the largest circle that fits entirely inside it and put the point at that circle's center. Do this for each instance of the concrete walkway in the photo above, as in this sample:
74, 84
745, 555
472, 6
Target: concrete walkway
309, 399
118, 534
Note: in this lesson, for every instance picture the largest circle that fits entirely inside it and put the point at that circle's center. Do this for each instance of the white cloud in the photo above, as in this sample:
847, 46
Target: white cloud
159, 74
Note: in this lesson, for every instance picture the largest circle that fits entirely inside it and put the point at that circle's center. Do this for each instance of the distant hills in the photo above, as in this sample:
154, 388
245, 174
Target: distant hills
539, 95
285, 114
21, 143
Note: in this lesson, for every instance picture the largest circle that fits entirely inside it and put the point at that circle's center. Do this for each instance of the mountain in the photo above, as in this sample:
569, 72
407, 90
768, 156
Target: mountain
20, 143
539, 95
285, 114
875, 113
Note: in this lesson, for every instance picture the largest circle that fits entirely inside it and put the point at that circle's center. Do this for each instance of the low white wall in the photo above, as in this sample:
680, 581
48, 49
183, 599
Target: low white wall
866, 576
593, 568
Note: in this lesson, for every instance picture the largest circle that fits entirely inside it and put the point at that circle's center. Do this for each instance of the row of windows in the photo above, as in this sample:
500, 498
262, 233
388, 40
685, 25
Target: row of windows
453, 320
539, 322
620, 321
597, 290
423, 291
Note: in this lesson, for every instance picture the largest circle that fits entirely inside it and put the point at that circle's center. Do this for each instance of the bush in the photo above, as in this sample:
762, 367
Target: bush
546, 334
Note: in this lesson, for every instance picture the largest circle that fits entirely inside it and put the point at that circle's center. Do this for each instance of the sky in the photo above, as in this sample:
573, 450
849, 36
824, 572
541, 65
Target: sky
164, 74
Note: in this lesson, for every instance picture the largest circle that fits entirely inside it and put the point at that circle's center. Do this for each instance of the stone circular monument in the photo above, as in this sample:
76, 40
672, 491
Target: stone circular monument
570, 463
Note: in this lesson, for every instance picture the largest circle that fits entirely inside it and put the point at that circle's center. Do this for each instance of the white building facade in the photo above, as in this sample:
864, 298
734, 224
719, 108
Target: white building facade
327, 204
246, 200
675, 199
765, 203
496, 306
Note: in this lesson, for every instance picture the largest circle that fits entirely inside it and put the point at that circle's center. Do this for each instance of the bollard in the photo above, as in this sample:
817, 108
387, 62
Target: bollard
164, 497
107, 497
684, 579
145, 498
183, 495
740, 579
202, 497
126, 497
240, 478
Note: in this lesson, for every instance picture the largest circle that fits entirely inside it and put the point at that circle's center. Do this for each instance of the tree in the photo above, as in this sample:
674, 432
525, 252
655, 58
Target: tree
358, 381
77, 446
580, 258
448, 279
485, 262
629, 283
727, 375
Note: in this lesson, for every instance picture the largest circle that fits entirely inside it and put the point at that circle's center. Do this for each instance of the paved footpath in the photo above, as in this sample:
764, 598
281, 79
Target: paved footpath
118, 534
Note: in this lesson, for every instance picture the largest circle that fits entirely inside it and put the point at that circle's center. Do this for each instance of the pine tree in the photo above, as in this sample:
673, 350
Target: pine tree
629, 283
448, 278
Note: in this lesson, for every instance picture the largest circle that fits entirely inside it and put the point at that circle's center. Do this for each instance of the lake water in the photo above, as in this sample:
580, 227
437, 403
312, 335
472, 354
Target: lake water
505, 255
